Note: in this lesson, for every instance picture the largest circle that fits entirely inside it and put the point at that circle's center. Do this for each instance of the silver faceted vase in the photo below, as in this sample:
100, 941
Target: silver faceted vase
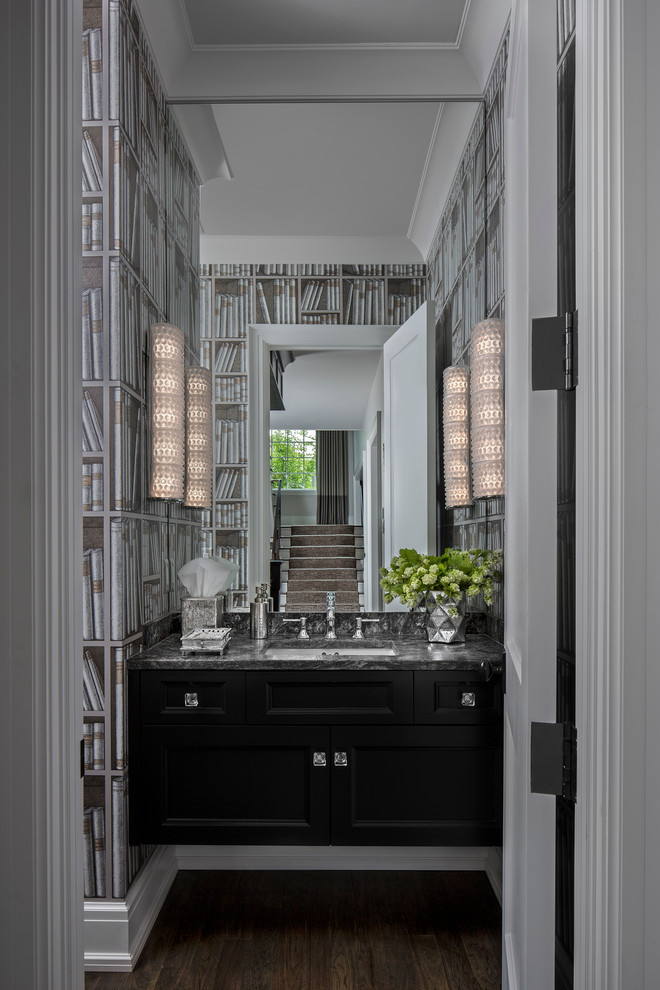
445, 619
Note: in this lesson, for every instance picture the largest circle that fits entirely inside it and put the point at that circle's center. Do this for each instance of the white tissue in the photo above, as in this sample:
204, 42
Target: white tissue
206, 577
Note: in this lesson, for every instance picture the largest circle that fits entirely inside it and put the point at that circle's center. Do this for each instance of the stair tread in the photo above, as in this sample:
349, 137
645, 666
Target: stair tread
306, 608
321, 559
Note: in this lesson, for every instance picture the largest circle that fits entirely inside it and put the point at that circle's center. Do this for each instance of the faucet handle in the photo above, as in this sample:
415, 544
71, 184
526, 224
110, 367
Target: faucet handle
358, 634
302, 619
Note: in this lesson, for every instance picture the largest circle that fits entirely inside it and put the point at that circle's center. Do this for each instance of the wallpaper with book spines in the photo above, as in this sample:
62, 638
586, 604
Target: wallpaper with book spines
466, 283
140, 266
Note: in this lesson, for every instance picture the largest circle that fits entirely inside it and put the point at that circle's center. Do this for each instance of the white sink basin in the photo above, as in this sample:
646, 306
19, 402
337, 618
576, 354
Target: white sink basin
291, 652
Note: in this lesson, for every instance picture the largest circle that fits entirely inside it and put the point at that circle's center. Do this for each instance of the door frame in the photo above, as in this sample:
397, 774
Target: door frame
372, 517
42, 851
608, 31
618, 476
531, 493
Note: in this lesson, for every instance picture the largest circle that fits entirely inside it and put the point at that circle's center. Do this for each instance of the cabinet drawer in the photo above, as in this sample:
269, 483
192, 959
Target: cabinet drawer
457, 697
184, 697
330, 697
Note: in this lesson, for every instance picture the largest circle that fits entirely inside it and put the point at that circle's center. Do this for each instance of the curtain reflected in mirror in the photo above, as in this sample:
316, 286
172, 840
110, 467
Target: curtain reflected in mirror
332, 477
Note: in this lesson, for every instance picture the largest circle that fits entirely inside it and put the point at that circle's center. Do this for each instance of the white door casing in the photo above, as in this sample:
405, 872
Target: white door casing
409, 437
531, 491
372, 513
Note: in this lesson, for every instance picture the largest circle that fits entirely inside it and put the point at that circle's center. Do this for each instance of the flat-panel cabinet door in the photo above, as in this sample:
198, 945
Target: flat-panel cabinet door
239, 784
439, 785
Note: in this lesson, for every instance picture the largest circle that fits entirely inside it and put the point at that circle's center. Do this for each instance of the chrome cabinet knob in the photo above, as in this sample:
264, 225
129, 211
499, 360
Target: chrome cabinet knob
190, 699
468, 699
318, 760
341, 759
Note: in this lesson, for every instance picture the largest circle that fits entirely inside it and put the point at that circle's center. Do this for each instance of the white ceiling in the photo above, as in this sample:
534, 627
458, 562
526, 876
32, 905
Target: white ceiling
327, 390
319, 169
287, 178
323, 22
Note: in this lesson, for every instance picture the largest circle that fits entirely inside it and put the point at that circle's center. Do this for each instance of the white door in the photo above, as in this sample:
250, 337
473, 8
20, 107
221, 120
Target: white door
409, 436
530, 540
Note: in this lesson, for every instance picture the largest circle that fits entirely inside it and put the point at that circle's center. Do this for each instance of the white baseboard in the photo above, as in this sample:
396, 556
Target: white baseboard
115, 931
494, 870
332, 857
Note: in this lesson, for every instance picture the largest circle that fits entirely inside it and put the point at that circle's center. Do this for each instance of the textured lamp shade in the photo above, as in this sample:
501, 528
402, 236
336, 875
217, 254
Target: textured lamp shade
487, 408
199, 438
167, 412
455, 385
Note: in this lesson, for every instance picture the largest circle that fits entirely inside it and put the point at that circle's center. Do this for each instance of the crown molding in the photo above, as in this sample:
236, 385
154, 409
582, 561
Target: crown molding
338, 47
425, 170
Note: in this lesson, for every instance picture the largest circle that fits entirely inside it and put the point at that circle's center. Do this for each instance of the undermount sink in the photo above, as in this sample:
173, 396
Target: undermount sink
327, 649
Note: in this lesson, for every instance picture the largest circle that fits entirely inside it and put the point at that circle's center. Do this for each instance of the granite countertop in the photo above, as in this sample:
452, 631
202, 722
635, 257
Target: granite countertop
243, 653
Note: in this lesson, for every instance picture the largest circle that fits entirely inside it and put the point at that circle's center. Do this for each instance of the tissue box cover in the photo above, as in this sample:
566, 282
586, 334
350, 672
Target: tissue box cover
201, 613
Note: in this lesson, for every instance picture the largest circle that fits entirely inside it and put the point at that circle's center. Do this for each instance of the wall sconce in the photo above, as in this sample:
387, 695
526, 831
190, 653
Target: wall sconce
199, 438
487, 408
167, 412
456, 433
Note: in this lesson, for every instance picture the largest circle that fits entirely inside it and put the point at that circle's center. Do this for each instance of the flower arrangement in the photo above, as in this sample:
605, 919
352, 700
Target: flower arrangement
454, 574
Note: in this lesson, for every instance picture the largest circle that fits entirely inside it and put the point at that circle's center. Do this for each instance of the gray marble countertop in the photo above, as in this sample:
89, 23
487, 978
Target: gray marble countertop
243, 653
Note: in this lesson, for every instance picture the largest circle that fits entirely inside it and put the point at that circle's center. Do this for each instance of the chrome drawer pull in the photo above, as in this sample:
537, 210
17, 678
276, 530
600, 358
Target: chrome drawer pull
318, 760
341, 759
468, 699
190, 700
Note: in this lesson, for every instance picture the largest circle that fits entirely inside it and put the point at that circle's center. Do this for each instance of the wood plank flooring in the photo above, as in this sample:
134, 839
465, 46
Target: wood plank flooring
311, 930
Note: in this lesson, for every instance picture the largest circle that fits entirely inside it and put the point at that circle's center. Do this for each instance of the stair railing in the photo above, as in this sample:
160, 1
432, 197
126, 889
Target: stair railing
275, 562
277, 523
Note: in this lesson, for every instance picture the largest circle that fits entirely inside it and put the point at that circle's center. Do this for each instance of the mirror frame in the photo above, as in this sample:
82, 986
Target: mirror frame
262, 338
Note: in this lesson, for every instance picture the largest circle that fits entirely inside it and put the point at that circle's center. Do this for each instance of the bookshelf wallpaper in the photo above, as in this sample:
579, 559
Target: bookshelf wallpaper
140, 213
232, 296
466, 283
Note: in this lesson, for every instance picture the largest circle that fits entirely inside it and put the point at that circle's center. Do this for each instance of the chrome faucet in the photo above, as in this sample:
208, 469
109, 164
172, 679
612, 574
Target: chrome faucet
330, 615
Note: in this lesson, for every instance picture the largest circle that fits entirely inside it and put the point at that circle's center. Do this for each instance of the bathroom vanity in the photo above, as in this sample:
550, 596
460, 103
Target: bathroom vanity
379, 742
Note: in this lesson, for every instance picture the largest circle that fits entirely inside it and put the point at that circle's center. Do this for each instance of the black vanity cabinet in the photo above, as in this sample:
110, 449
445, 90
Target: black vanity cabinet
315, 757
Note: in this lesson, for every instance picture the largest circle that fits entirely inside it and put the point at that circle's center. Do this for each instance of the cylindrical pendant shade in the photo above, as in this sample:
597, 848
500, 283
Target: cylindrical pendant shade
455, 385
487, 408
199, 438
167, 412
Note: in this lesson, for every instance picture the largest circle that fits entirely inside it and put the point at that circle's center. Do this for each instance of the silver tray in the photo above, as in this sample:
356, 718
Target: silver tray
208, 640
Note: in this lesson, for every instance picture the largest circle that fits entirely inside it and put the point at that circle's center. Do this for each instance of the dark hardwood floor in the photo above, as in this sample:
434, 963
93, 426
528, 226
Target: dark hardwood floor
309, 930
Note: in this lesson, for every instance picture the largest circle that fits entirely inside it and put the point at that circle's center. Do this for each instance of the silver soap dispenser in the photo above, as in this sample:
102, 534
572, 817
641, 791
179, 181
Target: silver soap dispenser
259, 614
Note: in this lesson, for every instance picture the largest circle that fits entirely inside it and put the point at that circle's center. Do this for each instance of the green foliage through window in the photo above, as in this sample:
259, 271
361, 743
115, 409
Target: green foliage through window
293, 458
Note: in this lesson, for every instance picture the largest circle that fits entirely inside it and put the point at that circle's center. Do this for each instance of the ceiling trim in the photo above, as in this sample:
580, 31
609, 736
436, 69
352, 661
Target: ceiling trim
186, 21
336, 47
422, 181
461, 26
347, 47
425, 98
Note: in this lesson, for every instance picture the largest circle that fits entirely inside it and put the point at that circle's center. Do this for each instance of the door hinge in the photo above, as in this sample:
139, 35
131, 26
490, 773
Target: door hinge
554, 759
555, 353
